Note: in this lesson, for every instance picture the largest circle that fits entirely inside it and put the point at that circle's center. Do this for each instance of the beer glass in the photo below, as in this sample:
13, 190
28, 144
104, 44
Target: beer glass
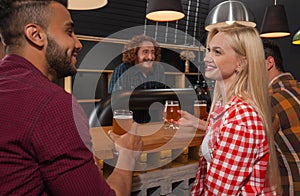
171, 114
200, 109
122, 121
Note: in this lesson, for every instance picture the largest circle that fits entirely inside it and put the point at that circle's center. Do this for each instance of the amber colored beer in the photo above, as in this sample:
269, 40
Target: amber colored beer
122, 121
200, 109
170, 112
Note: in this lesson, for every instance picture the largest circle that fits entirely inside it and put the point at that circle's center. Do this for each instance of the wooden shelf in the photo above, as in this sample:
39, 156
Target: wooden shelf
124, 41
89, 100
95, 71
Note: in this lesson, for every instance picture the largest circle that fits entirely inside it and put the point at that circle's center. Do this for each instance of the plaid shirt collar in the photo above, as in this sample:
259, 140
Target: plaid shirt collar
279, 78
220, 110
284, 80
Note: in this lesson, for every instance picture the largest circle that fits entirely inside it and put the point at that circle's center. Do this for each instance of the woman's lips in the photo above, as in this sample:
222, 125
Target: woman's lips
210, 67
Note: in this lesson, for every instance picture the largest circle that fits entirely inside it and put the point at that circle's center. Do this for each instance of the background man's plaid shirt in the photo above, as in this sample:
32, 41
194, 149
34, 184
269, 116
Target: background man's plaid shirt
285, 99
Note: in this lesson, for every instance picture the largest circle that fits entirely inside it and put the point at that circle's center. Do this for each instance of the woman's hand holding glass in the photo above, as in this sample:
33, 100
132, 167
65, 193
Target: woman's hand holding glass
190, 120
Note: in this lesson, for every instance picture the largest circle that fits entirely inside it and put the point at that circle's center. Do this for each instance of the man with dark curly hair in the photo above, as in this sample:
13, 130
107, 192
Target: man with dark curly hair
140, 68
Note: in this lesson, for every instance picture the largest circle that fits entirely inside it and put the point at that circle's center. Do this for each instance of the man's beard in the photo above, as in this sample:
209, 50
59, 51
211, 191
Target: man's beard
145, 69
60, 65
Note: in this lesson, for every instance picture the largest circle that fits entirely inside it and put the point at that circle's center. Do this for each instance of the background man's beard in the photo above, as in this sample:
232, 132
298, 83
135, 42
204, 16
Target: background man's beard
145, 69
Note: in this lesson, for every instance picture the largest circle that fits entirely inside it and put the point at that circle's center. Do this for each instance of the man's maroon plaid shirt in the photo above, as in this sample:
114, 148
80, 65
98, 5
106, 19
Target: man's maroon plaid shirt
44, 133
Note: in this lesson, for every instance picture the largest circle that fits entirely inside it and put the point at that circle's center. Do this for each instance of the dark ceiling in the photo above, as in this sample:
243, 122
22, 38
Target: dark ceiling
289, 51
119, 16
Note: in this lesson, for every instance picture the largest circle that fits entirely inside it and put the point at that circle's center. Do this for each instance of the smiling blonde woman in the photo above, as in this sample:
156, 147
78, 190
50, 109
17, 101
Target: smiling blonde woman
237, 153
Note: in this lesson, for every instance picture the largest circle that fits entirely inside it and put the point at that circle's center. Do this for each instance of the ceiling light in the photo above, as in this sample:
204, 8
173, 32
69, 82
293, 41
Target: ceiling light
164, 10
227, 13
86, 4
296, 38
275, 23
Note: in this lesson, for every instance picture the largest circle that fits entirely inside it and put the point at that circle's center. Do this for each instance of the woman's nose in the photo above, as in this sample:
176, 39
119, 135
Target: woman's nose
207, 57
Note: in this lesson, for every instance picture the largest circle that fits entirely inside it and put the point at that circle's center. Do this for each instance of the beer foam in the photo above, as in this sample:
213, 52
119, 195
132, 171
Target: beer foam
172, 104
200, 104
122, 117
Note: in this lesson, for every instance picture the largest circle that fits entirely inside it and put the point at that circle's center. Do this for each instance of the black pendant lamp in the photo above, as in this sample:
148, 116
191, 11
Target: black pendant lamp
164, 10
275, 23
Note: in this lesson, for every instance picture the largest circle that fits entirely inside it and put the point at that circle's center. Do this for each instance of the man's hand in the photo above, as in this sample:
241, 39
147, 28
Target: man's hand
129, 146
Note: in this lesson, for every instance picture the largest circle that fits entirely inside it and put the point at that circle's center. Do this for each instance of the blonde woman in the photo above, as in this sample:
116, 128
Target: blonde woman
237, 153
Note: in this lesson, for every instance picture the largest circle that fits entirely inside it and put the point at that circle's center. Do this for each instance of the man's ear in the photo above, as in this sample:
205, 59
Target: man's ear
35, 35
269, 63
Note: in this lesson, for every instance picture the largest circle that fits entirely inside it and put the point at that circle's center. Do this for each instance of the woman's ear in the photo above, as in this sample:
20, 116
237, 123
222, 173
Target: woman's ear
241, 65
35, 35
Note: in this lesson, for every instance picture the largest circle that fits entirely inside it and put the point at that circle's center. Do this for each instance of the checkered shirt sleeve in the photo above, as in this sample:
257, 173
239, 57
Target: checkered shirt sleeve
239, 152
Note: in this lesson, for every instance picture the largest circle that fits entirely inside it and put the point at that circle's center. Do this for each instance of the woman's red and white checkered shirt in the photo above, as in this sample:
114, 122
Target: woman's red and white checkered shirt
239, 151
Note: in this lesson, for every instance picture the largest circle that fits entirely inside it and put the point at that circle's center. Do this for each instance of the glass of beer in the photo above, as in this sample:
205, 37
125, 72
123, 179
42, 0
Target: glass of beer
200, 109
171, 114
122, 121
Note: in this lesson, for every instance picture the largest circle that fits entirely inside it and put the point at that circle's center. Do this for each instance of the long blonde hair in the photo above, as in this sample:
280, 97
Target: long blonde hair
251, 84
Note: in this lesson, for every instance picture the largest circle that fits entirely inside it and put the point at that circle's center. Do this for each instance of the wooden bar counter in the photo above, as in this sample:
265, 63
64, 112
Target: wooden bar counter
167, 165
155, 137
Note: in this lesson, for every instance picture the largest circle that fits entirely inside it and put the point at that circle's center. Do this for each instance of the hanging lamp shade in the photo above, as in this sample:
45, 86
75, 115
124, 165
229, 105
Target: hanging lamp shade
275, 23
296, 38
228, 12
164, 10
86, 4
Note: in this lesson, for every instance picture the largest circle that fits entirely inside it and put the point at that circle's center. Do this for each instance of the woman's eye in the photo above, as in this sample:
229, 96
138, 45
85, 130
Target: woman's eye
217, 52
